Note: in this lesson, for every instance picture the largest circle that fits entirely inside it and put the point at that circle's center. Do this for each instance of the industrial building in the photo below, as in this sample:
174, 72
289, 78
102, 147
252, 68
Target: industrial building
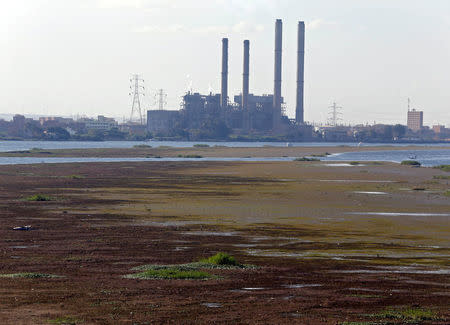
248, 113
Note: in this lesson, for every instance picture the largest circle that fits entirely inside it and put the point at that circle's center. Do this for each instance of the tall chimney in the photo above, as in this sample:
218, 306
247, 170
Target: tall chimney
224, 94
299, 110
277, 80
245, 85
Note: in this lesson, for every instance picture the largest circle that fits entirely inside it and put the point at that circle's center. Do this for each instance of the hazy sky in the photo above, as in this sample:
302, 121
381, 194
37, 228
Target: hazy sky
63, 57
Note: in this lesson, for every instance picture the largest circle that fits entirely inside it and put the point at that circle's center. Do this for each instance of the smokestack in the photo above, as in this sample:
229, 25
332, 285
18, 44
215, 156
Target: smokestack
299, 110
224, 94
245, 85
277, 80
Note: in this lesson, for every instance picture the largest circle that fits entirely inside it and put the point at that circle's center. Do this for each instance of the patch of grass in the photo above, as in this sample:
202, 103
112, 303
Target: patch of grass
142, 146
200, 145
445, 168
28, 275
76, 177
447, 193
306, 159
172, 273
64, 320
413, 163
354, 163
407, 314
321, 154
220, 259
441, 177
39, 197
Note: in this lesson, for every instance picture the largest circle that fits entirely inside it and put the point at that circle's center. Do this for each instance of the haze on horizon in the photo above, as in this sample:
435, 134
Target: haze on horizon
68, 57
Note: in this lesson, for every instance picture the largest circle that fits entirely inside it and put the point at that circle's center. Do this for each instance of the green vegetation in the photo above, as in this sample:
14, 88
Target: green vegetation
200, 145
413, 163
172, 273
306, 159
447, 193
39, 197
445, 168
64, 320
441, 177
321, 154
220, 259
76, 177
142, 146
190, 156
354, 163
407, 314
28, 275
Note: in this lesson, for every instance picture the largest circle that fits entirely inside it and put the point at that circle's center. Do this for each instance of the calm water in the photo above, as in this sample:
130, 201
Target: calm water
428, 158
425, 157
26, 145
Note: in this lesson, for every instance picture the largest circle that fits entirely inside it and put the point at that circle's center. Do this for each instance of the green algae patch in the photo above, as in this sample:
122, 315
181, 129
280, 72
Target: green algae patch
39, 198
172, 273
413, 163
408, 315
29, 275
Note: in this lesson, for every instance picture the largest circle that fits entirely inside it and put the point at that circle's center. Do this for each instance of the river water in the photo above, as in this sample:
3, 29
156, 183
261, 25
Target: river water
429, 157
27, 145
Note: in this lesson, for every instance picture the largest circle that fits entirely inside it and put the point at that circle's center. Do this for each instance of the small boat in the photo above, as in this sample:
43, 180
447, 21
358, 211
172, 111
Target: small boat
412, 156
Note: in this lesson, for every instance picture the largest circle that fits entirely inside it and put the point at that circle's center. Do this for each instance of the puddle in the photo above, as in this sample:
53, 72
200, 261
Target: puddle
343, 165
298, 286
16, 257
371, 193
365, 289
354, 181
253, 289
183, 248
24, 247
245, 245
211, 233
398, 270
400, 214
212, 305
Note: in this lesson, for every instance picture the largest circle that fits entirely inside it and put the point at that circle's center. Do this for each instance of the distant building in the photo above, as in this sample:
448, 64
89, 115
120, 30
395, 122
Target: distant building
161, 121
415, 120
102, 123
439, 129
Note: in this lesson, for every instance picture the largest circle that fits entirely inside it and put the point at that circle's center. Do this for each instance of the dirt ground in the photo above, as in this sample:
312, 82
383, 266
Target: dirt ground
334, 245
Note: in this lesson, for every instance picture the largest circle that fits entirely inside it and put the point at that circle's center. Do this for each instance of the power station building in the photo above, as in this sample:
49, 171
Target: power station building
248, 113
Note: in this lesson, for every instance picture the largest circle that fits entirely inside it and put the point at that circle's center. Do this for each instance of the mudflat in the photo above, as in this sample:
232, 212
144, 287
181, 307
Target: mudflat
209, 151
327, 244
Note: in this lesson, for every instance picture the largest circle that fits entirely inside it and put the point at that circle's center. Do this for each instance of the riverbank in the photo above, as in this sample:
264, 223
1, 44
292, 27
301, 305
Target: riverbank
331, 244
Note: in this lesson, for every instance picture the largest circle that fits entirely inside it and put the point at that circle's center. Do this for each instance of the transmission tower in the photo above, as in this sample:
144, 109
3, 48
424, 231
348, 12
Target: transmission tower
161, 99
136, 90
334, 118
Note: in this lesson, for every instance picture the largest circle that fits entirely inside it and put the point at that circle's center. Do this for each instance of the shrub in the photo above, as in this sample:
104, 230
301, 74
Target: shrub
354, 163
414, 163
200, 145
220, 259
39, 197
306, 159
142, 146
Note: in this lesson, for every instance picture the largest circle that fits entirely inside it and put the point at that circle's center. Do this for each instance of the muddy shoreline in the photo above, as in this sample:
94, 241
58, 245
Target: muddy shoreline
319, 262
204, 152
